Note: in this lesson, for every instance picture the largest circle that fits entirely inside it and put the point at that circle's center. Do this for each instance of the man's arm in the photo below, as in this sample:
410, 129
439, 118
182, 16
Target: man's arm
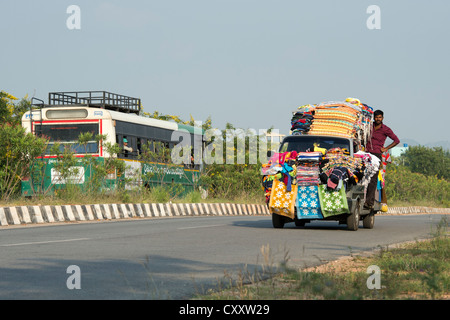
392, 136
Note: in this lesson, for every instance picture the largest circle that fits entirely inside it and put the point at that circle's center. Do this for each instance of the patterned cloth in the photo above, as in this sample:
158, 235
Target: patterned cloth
281, 201
332, 202
335, 118
308, 203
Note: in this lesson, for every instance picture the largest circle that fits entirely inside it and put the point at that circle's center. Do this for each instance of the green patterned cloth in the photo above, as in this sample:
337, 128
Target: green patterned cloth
332, 202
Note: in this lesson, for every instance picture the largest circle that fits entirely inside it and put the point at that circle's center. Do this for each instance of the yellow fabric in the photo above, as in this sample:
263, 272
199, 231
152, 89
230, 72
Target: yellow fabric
282, 202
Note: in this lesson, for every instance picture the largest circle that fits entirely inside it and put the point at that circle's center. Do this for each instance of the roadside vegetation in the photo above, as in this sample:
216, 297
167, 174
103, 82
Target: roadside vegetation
420, 177
418, 270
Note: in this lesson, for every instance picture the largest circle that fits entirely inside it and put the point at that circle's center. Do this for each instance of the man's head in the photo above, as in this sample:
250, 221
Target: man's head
125, 141
378, 117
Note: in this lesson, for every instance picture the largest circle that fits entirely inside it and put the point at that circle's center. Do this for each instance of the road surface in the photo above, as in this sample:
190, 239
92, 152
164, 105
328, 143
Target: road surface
175, 258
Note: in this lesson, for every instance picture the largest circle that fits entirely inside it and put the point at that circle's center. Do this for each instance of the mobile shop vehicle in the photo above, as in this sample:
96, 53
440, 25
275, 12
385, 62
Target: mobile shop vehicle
321, 172
354, 192
117, 118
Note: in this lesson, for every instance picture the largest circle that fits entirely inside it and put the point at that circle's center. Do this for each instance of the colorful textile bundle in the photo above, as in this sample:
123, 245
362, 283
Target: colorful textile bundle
308, 175
339, 158
332, 202
308, 203
282, 201
385, 159
371, 165
308, 168
335, 118
348, 119
302, 119
276, 162
281, 167
364, 125
309, 156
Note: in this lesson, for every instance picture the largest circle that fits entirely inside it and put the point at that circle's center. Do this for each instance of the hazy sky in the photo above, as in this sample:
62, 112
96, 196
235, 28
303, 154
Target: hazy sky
246, 62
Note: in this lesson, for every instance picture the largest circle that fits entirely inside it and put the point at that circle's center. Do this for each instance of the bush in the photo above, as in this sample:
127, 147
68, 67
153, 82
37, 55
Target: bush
402, 185
18, 151
428, 161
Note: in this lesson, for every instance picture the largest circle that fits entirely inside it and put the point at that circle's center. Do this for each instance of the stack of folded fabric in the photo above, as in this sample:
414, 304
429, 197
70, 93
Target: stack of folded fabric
335, 118
308, 175
308, 168
302, 119
308, 180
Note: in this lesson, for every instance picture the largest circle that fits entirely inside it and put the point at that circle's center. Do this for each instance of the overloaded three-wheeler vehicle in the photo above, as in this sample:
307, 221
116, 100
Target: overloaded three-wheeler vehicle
313, 198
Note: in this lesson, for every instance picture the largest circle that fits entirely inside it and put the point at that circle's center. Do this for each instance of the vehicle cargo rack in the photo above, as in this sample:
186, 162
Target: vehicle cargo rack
98, 99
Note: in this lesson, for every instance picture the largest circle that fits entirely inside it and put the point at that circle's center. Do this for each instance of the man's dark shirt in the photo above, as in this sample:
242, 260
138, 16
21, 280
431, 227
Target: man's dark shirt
378, 139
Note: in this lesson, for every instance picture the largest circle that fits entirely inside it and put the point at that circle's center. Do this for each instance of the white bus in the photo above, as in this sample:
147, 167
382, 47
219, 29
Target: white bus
69, 114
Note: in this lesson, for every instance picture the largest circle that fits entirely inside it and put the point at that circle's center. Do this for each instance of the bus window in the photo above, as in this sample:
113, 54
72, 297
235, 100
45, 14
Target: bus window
126, 147
150, 145
67, 135
140, 142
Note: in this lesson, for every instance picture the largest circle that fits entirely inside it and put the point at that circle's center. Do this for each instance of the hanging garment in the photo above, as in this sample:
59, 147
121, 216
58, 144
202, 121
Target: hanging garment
289, 172
282, 202
276, 162
337, 175
332, 202
308, 203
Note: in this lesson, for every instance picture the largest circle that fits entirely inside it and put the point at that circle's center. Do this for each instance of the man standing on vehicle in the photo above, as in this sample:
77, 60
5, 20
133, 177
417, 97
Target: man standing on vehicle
376, 147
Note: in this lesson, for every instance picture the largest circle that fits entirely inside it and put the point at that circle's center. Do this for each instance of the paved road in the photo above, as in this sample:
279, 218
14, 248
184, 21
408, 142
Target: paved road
174, 258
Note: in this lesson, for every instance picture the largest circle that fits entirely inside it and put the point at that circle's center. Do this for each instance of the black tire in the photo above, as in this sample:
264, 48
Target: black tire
299, 222
353, 218
369, 221
277, 221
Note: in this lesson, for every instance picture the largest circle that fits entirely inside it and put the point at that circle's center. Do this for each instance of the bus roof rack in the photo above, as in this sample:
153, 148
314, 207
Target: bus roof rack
96, 99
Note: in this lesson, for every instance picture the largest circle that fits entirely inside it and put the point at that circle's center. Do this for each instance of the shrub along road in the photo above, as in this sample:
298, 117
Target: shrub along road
174, 258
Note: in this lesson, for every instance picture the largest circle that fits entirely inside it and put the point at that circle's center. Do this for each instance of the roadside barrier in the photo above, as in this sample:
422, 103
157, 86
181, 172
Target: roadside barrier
103, 212
412, 210
22, 215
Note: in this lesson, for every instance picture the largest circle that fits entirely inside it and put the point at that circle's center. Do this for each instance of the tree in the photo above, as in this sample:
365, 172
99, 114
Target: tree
12, 111
17, 152
428, 161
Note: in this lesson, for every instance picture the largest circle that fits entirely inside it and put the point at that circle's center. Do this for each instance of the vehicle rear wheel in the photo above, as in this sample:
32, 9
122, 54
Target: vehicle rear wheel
353, 218
277, 220
369, 221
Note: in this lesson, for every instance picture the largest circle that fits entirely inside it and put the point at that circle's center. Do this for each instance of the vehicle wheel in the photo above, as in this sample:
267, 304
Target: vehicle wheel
299, 222
353, 218
369, 221
277, 220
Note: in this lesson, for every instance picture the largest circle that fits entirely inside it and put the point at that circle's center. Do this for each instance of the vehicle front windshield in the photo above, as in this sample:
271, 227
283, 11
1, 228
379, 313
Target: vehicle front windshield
306, 143
66, 135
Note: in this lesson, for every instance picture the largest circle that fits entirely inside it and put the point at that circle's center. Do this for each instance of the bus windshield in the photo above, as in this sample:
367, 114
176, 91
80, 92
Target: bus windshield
67, 135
